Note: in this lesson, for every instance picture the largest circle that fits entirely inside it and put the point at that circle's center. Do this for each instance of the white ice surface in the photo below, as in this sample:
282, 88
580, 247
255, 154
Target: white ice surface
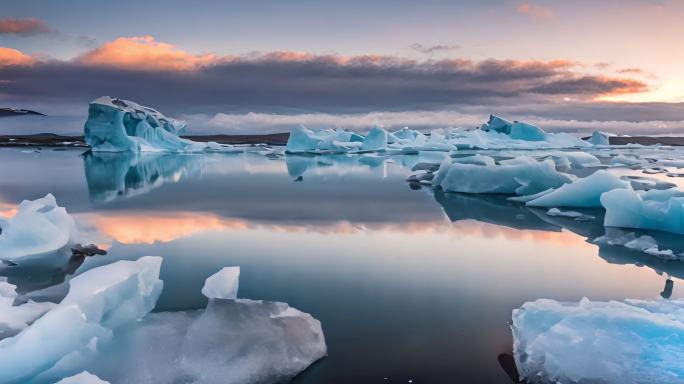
223, 284
82, 378
661, 210
585, 192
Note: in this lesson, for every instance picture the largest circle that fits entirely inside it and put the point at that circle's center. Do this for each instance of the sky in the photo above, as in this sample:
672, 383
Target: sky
265, 65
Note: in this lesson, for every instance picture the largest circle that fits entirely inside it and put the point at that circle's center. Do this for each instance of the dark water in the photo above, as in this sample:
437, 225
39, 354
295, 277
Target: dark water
410, 285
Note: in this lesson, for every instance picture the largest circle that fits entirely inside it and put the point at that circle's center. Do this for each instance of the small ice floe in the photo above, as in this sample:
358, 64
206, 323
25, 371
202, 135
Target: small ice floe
40, 227
570, 214
521, 176
661, 210
634, 341
600, 138
644, 243
585, 192
646, 183
82, 378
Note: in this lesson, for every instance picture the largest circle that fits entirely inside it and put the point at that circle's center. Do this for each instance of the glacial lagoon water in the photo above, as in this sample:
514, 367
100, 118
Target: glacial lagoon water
409, 285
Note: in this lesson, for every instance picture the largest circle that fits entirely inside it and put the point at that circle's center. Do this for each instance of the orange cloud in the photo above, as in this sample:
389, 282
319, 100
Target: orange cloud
535, 11
10, 56
144, 53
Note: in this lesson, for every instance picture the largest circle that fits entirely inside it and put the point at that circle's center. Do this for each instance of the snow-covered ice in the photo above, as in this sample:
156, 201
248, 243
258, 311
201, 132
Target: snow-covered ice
630, 342
223, 284
40, 227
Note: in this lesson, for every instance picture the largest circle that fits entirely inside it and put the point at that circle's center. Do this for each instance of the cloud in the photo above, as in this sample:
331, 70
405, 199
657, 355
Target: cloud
24, 27
433, 49
163, 76
9, 56
144, 53
535, 11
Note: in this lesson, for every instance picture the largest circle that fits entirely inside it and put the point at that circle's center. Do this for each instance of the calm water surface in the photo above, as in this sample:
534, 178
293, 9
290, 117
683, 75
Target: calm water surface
409, 284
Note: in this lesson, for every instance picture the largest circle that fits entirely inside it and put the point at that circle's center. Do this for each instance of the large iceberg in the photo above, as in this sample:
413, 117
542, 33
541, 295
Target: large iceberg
585, 192
523, 177
630, 342
40, 227
64, 339
116, 125
661, 210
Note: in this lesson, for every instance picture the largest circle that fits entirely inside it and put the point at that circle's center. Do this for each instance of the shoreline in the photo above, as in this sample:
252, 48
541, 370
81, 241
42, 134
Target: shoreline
63, 141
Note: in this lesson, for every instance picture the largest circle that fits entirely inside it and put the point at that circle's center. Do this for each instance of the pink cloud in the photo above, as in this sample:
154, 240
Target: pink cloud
11, 56
535, 11
144, 53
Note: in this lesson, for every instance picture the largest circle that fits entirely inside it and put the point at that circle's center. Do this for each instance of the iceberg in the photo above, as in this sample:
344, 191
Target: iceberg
40, 227
600, 138
630, 342
223, 284
582, 193
376, 140
69, 335
330, 140
82, 378
523, 176
116, 125
661, 210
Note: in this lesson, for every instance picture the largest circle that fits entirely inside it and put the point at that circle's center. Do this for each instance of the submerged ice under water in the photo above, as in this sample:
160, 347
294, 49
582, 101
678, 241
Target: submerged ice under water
408, 284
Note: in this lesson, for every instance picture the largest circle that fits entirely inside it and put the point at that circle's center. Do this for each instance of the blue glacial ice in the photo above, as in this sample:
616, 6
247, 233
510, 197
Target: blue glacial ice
116, 125
14, 318
68, 336
522, 176
661, 210
39, 228
223, 284
585, 192
630, 342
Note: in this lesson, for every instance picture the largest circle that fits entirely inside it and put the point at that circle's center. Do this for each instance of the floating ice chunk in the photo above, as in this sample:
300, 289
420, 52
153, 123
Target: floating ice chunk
527, 132
631, 342
641, 243
223, 284
623, 160
600, 138
661, 210
63, 340
15, 318
376, 140
305, 140
476, 159
497, 124
571, 214
646, 183
526, 198
585, 192
522, 177
82, 378
116, 125
576, 159
40, 227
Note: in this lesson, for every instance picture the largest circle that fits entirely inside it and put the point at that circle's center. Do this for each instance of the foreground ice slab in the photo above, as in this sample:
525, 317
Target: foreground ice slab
631, 342
230, 342
524, 176
40, 227
661, 210
223, 284
82, 378
116, 125
67, 337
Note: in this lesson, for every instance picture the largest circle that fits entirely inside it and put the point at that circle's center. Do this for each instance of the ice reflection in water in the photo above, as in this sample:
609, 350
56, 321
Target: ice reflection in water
419, 283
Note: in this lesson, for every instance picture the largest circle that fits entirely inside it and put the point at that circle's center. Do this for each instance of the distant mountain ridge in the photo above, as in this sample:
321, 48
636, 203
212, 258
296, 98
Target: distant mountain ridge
7, 112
